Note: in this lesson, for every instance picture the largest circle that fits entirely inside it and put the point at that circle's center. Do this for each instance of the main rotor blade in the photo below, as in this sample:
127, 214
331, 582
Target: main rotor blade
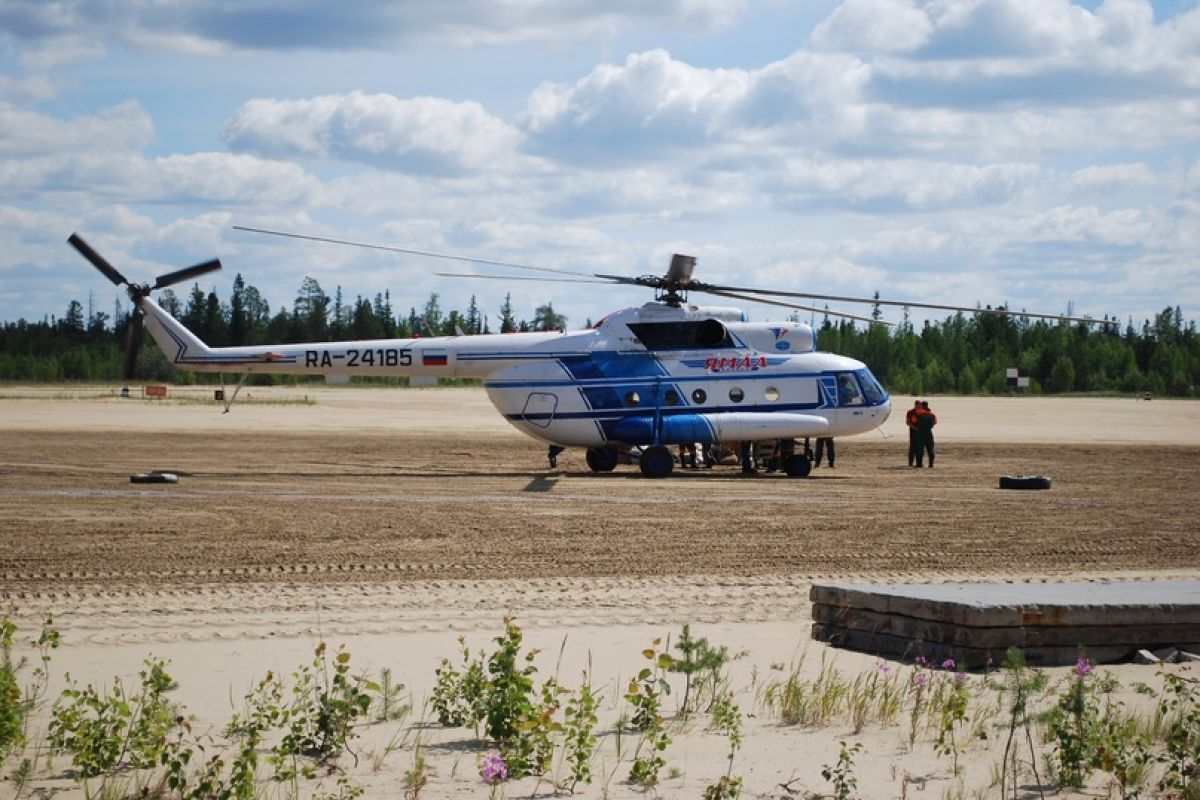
750, 299
133, 341
407, 251
98, 261
184, 274
517, 278
900, 303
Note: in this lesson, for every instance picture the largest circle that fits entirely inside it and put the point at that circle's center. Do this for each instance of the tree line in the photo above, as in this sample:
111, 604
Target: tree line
963, 354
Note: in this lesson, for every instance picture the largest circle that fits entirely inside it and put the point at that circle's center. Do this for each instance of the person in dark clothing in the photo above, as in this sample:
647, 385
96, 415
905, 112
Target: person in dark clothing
925, 422
746, 458
824, 445
910, 419
552, 453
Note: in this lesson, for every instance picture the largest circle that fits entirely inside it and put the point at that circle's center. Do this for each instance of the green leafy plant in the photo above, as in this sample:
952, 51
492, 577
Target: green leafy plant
841, 774
1074, 726
17, 703
726, 720
645, 694
1123, 750
459, 695
1019, 684
952, 714
107, 731
510, 686
579, 737
318, 722
1180, 707
501, 692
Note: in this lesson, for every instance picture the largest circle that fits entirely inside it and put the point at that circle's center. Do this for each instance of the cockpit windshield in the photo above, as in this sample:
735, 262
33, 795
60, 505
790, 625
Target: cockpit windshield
871, 389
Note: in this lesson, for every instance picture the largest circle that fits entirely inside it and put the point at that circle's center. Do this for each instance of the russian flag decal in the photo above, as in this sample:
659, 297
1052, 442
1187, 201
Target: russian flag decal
433, 358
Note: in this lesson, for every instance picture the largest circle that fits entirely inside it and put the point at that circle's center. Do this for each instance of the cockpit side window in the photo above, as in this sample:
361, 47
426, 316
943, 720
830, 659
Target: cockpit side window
848, 391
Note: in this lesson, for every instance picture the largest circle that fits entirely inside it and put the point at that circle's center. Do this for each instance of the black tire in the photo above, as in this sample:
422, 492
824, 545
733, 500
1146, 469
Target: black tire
797, 466
1027, 482
154, 477
657, 461
601, 459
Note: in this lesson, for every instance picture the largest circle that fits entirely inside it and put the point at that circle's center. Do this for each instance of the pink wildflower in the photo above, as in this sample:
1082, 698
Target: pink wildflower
1083, 667
921, 678
948, 663
883, 667
493, 770
960, 678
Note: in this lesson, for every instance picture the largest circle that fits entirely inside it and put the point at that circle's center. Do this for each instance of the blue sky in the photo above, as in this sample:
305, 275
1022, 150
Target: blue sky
1039, 153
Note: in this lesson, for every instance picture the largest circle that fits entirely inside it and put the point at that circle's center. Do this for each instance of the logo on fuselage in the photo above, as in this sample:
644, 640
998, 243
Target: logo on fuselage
734, 364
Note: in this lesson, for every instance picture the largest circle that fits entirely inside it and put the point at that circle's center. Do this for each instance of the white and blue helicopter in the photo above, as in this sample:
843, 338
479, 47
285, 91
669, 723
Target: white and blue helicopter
637, 386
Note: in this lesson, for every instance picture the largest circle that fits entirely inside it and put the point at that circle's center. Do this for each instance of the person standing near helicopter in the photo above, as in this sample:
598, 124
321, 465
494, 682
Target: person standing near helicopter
925, 422
910, 419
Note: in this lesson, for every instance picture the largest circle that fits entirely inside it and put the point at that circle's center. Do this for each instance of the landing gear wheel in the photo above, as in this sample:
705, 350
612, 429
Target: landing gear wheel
797, 466
1024, 482
601, 459
657, 462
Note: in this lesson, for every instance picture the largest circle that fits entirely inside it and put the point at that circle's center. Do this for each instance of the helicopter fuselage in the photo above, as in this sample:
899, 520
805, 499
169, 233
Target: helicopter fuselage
659, 374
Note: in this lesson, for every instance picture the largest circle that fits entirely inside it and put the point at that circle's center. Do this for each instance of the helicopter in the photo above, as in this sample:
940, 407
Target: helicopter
640, 381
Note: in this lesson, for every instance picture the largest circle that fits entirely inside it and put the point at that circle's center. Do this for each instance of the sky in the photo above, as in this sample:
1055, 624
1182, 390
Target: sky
1042, 154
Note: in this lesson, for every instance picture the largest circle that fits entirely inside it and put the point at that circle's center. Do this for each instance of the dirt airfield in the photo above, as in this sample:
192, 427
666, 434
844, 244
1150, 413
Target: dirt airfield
365, 485
391, 521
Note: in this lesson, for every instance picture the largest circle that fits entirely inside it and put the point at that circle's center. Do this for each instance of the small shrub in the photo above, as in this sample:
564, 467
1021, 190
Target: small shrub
702, 666
1180, 707
645, 694
841, 775
459, 694
579, 737
17, 703
388, 701
318, 722
1074, 726
727, 720
104, 732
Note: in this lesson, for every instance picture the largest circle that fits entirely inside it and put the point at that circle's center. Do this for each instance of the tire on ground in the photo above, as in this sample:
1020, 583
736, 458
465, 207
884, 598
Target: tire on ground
1024, 482
154, 477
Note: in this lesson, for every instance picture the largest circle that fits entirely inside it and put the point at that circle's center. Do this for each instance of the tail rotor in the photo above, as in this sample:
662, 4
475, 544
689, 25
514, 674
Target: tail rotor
137, 292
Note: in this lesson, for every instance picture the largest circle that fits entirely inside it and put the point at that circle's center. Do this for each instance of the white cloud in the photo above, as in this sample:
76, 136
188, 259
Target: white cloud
421, 135
896, 185
650, 102
1113, 178
873, 26
25, 133
182, 179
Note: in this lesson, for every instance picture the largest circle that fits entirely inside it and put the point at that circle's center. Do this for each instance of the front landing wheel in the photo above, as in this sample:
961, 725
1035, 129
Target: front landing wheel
601, 459
657, 461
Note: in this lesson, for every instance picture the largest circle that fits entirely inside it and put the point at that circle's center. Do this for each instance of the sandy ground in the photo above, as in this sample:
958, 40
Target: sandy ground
394, 520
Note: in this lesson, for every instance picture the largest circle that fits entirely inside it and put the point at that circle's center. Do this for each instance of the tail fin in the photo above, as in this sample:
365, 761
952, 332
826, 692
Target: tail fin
178, 344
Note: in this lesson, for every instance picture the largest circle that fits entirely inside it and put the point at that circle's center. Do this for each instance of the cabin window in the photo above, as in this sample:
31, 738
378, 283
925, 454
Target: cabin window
670, 397
699, 396
771, 393
848, 392
736, 395
632, 399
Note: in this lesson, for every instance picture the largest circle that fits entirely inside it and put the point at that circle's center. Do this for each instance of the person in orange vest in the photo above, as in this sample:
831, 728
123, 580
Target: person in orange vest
925, 422
910, 419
